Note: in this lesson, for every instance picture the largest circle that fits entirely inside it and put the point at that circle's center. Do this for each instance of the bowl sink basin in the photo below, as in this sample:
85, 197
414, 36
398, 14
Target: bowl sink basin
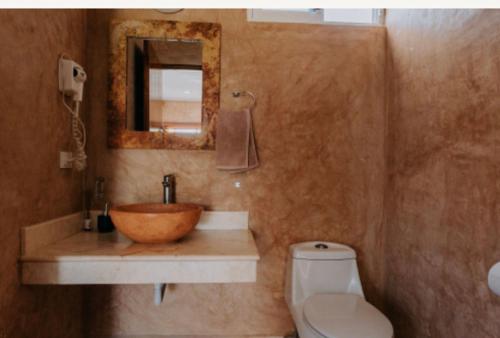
156, 222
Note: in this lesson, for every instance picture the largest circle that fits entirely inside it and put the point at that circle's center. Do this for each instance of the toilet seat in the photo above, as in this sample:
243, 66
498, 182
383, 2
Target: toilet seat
345, 316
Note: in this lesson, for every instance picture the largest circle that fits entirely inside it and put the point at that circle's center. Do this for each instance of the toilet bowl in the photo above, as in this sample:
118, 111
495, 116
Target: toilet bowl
325, 297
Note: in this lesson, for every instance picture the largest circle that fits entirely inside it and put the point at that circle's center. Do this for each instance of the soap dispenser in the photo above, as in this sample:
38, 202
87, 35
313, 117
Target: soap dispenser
104, 223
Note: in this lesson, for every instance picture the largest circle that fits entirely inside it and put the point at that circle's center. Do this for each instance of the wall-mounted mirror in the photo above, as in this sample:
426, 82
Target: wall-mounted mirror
164, 84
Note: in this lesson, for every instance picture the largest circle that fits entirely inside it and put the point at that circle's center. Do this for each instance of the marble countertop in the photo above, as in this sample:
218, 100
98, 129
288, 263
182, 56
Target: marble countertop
221, 249
200, 245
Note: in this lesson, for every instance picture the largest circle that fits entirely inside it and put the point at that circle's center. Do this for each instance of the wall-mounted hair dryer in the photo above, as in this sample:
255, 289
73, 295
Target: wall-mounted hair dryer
71, 79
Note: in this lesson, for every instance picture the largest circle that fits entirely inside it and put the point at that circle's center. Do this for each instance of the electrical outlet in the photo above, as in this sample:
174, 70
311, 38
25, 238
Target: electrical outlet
65, 158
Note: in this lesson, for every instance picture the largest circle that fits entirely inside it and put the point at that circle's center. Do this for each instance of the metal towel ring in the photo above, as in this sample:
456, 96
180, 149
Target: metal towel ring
238, 93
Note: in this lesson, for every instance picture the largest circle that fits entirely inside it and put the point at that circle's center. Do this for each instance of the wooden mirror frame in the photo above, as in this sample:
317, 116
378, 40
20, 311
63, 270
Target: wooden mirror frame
118, 134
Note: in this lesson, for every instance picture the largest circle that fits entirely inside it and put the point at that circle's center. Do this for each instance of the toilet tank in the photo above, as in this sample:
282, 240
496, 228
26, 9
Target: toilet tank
320, 267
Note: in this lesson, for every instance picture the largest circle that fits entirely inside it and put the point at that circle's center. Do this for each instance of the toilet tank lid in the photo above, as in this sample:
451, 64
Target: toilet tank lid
321, 251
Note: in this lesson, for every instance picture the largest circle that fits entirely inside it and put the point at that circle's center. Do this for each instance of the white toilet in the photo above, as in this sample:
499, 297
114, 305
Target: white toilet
325, 296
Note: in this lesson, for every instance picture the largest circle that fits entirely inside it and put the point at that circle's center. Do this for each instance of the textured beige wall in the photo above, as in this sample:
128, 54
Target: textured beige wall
320, 127
442, 229
35, 126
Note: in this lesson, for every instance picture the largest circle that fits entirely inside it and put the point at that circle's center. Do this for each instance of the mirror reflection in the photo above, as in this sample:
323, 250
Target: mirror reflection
164, 84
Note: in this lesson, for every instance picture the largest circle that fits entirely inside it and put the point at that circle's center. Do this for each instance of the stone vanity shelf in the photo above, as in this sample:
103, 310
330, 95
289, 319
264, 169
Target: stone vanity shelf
220, 250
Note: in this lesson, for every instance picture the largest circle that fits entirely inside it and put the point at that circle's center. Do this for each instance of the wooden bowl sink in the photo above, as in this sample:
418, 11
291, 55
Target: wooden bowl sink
156, 222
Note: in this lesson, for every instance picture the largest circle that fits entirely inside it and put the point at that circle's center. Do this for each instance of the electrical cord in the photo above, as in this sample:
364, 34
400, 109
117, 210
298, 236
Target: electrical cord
79, 158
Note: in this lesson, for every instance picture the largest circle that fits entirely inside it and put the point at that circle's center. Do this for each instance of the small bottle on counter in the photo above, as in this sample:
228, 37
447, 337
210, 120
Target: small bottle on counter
104, 222
87, 220
87, 224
